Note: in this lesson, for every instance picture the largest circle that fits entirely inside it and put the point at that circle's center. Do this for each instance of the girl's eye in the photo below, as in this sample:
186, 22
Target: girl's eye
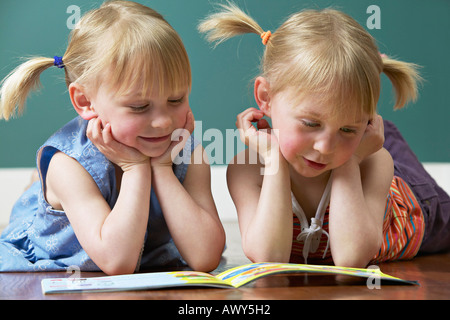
176, 101
348, 130
139, 108
310, 124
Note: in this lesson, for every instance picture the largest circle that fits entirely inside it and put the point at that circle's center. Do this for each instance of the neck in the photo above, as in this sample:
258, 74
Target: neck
297, 178
308, 191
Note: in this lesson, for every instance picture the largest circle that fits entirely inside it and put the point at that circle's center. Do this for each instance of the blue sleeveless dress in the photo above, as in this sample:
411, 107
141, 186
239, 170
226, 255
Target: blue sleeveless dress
40, 238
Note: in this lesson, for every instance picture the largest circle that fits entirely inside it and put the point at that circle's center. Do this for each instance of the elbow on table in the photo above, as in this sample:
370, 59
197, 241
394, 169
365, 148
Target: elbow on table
350, 262
118, 269
206, 258
350, 258
256, 256
205, 265
117, 265
269, 251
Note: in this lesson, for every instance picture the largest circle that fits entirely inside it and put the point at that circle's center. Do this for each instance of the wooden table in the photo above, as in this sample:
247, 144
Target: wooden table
432, 272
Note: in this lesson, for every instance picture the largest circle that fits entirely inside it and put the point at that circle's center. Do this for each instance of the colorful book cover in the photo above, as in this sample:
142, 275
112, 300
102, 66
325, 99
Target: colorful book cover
232, 278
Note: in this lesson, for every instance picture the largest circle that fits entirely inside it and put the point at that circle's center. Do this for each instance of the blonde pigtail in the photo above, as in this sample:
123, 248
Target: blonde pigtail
16, 87
229, 22
404, 77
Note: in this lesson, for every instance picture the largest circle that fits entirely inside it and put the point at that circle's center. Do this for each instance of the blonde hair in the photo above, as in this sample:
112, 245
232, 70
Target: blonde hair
321, 52
122, 43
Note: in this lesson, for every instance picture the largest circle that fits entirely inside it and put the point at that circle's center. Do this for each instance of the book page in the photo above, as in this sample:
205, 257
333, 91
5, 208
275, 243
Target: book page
242, 275
139, 281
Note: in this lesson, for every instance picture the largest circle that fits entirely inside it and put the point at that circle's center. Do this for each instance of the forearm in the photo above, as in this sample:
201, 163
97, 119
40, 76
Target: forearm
355, 235
268, 236
197, 233
123, 231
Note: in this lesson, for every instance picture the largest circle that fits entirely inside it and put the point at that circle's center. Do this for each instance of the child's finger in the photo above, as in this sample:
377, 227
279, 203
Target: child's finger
381, 124
263, 124
249, 115
245, 126
107, 134
190, 122
179, 138
89, 129
182, 134
93, 129
377, 124
246, 118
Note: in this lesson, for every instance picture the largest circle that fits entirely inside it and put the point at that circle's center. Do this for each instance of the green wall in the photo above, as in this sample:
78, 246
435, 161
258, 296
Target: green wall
412, 30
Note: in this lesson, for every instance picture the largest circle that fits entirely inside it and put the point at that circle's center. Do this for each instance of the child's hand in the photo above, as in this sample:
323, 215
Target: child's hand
179, 138
261, 140
123, 156
372, 140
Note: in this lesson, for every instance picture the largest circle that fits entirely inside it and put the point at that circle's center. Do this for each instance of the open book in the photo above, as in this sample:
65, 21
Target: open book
232, 278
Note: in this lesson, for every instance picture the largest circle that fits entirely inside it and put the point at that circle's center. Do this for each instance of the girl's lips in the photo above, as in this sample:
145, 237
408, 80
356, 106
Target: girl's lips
314, 165
156, 139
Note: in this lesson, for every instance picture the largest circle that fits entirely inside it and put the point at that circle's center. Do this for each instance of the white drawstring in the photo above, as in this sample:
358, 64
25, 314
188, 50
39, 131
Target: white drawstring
311, 238
310, 235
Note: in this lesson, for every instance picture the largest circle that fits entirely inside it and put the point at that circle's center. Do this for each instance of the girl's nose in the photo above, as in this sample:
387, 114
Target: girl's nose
325, 143
162, 120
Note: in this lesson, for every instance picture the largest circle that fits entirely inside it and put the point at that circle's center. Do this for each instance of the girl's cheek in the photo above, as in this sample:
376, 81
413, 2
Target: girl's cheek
345, 153
124, 134
182, 116
181, 120
289, 146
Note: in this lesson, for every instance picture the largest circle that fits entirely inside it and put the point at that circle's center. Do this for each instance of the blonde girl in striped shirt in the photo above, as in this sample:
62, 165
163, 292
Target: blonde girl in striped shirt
343, 185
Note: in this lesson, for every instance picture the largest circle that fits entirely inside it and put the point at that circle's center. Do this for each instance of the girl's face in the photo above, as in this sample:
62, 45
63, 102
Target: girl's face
144, 123
311, 138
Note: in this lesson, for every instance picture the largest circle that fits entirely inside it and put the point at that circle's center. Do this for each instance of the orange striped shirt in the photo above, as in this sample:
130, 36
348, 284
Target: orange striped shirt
403, 229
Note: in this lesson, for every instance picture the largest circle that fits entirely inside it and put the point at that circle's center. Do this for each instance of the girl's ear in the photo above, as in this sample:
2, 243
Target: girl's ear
262, 96
81, 101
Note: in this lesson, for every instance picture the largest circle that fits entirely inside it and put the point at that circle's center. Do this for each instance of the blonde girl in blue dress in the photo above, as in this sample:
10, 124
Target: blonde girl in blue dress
111, 196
